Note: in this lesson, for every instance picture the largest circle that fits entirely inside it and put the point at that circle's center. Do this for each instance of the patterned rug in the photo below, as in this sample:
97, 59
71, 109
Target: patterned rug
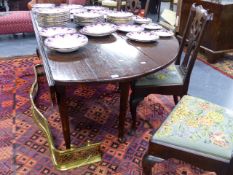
93, 112
223, 65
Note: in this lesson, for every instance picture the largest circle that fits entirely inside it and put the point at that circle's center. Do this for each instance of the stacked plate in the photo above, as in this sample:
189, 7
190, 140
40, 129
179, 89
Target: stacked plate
66, 42
43, 5
48, 17
51, 31
95, 8
118, 17
101, 29
88, 17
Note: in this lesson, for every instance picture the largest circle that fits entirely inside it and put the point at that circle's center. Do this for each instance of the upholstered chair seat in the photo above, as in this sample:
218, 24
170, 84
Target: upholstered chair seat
170, 75
197, 132
200, 126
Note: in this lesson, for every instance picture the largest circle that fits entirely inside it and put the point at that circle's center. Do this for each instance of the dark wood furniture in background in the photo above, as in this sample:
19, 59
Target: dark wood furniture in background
218, 38
104, 59
18, 5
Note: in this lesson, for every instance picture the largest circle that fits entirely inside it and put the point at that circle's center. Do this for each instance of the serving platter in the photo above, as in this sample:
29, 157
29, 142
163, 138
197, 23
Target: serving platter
66, 42
142, 36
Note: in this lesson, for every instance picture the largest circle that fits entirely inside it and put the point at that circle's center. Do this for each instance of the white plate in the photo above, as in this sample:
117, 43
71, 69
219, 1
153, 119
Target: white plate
152, 26
120, 15
143, 36
51, 31
43, 5
88, 15
71, 6
101, 29
141, 20
164, 33
66, 42
130, 28
95, 8
53, 11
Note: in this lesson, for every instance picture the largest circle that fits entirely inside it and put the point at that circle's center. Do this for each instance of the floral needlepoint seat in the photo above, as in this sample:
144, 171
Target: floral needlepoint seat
199, 125
198, 132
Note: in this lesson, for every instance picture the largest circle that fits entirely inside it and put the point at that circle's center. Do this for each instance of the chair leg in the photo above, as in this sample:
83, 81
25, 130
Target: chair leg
175, 99
133, 109
146, 165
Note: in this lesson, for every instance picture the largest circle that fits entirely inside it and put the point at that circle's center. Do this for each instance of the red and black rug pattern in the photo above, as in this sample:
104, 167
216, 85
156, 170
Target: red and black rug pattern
93, 112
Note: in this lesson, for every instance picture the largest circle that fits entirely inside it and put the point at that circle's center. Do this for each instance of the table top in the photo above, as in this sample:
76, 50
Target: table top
106, 59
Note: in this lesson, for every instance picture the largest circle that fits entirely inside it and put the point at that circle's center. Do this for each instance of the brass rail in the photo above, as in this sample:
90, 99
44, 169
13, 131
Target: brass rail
62, 159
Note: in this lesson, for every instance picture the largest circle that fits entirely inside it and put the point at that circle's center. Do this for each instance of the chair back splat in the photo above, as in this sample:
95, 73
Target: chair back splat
193, 35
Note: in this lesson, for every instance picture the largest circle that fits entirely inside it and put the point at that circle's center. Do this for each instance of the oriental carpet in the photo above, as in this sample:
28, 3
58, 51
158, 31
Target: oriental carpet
93, 111
223, 65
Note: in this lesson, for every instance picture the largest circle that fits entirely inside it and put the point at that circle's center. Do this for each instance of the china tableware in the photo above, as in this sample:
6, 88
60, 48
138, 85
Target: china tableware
99, 29
66, 42
51, 31
129, 28
143, 36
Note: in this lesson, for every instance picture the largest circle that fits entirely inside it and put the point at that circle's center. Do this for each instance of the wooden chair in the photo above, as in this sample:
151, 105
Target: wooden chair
173, 80
197, 132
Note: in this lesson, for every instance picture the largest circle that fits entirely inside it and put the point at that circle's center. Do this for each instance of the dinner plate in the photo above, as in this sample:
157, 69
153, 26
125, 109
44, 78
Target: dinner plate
143, 36
95, 8
51, 31
152, 26
101, 29
119, 15
88, 15
71, 6
66, 42
129, 28
43, 5
164, 33
142, 20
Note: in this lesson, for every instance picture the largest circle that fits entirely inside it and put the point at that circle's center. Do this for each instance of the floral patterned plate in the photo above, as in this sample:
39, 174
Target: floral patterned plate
71, 6
66, 42
143, 36
43, 5
130, 28
142, 20
101, 29
152, 26
95, 8
119, 15
51, 31
164, 33
88, 15
53, 11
